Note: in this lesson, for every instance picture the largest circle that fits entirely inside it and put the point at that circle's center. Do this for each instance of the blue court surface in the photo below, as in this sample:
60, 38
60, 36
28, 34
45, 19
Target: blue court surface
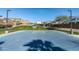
32, 40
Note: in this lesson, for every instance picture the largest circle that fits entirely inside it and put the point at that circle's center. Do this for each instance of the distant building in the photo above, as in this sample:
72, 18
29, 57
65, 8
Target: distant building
38, 22
13, 22
75, 19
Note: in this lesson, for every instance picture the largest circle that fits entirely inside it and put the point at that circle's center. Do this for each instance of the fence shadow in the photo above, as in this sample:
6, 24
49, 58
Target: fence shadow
39, 45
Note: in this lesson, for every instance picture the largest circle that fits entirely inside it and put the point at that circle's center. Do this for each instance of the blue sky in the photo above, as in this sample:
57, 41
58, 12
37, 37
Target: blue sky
38, 14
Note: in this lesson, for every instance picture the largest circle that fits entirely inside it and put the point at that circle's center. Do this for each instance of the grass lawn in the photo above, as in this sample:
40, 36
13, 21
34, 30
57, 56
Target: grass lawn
2, 30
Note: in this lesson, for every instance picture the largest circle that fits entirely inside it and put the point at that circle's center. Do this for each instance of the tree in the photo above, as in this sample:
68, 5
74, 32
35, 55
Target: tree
62, 18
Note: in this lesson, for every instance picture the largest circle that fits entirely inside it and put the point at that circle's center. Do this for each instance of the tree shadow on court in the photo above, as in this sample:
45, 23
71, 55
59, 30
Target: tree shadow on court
39, 45
1, 44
